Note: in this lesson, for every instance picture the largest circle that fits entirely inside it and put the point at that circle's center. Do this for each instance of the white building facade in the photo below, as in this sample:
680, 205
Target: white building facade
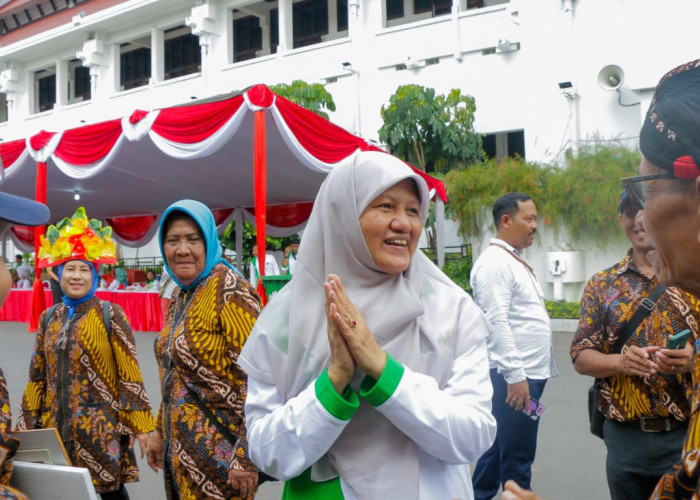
546, 74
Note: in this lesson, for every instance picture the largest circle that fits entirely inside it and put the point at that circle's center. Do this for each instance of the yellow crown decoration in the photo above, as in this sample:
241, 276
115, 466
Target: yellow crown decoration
77, 237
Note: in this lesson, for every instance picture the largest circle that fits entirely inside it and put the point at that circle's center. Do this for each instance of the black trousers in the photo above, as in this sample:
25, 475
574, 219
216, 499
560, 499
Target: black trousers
120, 494
637, 460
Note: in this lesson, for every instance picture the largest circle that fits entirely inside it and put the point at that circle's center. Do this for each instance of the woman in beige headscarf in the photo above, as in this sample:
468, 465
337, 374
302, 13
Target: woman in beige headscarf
366, 314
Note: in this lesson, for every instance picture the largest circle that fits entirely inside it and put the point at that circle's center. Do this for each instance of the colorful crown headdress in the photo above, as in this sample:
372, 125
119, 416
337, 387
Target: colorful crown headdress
77, 238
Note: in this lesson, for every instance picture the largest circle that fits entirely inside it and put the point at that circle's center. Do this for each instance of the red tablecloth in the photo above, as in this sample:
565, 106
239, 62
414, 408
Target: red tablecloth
141, 308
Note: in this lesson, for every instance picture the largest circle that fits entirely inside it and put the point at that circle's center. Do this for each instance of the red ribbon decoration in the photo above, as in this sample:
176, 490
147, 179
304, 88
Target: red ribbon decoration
260, 180
38, 303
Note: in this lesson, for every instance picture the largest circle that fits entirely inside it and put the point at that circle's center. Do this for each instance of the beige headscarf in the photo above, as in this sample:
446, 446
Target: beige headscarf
371, 454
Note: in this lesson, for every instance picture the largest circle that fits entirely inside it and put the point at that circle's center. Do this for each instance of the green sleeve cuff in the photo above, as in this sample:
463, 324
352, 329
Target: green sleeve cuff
376, 392
341, 406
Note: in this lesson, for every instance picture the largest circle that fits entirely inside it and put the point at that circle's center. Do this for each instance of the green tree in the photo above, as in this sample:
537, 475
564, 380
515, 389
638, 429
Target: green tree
312, 96
432, 132
582, 195
473, 191
585, 193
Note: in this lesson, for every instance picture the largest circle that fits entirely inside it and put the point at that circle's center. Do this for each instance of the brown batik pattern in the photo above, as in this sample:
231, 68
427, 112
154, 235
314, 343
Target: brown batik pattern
204, 333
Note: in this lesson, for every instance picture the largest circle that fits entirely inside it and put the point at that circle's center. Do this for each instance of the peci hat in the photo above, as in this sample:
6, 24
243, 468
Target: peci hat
624, 201
23, 211
77, 237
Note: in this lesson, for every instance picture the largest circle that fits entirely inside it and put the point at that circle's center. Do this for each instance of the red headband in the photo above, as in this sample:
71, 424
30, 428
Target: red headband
685, 168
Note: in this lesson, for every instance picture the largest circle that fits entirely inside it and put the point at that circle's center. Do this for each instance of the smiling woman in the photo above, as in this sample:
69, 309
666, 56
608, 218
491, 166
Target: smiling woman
367, 317
98, 404
391, 226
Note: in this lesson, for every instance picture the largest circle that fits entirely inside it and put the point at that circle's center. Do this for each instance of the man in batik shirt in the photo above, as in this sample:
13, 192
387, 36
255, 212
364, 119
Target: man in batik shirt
646, 391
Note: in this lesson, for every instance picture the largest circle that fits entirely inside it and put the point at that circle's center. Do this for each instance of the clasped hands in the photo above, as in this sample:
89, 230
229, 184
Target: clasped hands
647, 361
352, 345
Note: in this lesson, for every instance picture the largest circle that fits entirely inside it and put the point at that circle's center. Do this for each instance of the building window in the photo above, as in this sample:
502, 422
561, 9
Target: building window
47, 90
436, 7
247, 38
394, 9
135, 66
478, 4
504, 144
310, 19
182, 54
81, 83
274, 30
4, 108
342, 9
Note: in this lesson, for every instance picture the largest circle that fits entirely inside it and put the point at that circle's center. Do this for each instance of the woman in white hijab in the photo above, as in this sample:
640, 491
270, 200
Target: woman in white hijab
368, 373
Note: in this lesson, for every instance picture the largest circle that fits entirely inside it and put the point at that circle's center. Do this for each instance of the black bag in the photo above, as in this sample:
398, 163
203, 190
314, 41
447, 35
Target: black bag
595, 414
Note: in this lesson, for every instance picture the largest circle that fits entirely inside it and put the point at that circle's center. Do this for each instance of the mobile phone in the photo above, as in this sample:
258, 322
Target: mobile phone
679, 340
536, 409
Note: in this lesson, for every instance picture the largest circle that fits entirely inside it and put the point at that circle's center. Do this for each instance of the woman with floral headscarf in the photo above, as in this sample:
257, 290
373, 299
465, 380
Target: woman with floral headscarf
368, 373
199, 440
84, 378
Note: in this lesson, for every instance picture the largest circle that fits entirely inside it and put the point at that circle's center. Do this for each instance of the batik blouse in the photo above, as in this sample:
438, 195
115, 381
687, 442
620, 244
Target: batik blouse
8, 445
88, 385
198, 348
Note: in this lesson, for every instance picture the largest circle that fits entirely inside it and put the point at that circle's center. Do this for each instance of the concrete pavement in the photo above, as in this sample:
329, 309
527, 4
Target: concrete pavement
570, 461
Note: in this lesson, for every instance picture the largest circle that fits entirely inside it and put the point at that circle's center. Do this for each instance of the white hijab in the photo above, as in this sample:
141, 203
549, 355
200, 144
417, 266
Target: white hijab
371, 455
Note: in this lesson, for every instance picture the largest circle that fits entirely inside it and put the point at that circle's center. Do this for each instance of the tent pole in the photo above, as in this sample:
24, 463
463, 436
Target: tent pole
440, 230
38, 303
260, 177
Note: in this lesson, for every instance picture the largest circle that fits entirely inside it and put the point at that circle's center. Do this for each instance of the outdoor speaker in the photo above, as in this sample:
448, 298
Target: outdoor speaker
611, 77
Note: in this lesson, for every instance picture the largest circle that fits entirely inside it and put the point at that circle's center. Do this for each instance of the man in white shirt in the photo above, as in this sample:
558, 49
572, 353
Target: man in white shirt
290, 257
24, 273
521, 357
271, 267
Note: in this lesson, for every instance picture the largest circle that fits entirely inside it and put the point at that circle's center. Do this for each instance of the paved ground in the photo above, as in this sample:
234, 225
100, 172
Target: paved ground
570, 461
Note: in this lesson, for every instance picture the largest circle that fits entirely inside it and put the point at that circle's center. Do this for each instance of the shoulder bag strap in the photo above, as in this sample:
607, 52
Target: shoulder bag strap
228, 435
48, 316
642, 312
107, 320
529, 267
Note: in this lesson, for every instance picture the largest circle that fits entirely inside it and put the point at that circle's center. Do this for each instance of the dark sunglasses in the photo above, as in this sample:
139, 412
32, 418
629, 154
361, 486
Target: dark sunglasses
636, 187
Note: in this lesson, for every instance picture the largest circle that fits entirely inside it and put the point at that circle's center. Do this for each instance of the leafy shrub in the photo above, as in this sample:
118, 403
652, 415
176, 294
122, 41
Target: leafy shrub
559, 309
458, 271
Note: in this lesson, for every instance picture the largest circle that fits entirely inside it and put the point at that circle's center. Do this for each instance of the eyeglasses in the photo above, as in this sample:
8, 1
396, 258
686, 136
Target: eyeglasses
636, 187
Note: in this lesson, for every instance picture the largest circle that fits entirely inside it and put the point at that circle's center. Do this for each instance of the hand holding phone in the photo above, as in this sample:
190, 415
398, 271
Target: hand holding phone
536, 409
679, 340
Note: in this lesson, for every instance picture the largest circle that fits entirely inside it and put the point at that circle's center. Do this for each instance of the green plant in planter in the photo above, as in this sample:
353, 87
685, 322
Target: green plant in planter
558, 309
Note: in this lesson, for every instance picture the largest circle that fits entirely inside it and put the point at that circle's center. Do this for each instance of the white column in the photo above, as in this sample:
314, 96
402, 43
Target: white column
456, 8
157, 55
61, 83
286, 34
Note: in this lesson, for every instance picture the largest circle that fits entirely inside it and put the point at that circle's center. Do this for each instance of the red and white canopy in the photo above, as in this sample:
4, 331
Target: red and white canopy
128, 170
225, 152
